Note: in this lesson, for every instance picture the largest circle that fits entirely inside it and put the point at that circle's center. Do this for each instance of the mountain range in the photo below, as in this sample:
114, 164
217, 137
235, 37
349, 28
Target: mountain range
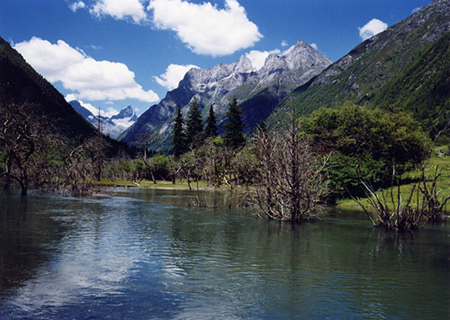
406, 67
111, 126
374, 73
260, 91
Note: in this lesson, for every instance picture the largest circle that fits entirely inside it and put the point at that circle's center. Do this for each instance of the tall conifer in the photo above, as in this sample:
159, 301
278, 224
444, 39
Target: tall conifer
234, 126
194, 122
211, 124
178, 137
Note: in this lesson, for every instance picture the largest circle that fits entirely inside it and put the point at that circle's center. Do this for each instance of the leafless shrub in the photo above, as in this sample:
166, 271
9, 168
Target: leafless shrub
289, 181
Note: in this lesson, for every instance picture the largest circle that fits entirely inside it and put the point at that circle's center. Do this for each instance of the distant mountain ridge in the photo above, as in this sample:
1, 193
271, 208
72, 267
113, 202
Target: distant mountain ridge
111, 126
371, 67
260, 89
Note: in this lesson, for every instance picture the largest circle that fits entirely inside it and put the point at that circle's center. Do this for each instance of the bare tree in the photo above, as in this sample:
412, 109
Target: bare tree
26, 137
144, 141
95, 149
213, 166
392, 211
289, 181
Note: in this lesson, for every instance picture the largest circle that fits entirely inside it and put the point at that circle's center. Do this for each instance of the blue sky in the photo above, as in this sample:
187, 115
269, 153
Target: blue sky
113, 53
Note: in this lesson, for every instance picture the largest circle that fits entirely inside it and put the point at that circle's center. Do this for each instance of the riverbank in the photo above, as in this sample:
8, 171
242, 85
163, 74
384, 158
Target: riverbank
439, 163
166, 185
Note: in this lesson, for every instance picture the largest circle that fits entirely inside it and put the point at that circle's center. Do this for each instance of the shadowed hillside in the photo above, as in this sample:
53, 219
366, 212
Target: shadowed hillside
20, 83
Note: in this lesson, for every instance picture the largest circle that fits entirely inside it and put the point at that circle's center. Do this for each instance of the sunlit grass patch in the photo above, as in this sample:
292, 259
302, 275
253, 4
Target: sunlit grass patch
436, 162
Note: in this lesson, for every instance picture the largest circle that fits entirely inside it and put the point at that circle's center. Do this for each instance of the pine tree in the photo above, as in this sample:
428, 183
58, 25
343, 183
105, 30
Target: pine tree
178, 138
211, 124
233, 128
194, 123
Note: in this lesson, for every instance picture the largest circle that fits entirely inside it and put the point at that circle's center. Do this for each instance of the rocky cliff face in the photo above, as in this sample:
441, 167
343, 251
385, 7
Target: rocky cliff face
258, 91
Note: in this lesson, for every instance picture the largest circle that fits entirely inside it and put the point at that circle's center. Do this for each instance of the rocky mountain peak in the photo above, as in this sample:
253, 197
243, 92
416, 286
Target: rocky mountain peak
261, 90
244, 65
302, 56
112, 126
126, 113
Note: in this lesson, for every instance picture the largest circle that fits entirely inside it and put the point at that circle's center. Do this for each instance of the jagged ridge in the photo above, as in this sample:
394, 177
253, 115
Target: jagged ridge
257, 91
111, 126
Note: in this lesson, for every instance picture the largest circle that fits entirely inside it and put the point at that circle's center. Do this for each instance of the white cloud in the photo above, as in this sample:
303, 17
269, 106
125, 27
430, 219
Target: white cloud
77, 5
174, 74
372, 28
258, 58
314, 46
109, 112
416, 9
205, 28
284, 43
96, 47
120, 9
89, 79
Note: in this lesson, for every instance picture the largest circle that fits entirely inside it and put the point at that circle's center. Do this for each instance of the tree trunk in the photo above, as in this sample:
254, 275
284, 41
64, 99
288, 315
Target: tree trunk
24, 183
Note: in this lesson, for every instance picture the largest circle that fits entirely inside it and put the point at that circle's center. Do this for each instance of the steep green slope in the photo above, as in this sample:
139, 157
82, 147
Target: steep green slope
423, 88
369, 67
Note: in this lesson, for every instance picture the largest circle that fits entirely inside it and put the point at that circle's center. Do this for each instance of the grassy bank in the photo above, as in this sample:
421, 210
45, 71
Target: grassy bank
160, 184
436, 162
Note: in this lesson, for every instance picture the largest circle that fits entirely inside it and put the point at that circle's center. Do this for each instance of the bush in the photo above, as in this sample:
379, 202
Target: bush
366, 143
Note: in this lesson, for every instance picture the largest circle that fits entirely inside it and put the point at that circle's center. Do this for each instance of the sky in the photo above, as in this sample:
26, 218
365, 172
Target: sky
109, 54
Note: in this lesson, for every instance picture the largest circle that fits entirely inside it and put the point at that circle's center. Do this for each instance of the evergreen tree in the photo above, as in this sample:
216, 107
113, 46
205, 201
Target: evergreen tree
194, 122
233, 128
211, 124
178, 138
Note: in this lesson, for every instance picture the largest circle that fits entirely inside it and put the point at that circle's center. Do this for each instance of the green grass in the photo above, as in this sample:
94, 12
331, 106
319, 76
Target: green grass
149, 184
443, 183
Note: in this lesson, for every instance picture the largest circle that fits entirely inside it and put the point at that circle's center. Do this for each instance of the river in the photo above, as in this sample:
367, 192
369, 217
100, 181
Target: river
143, 254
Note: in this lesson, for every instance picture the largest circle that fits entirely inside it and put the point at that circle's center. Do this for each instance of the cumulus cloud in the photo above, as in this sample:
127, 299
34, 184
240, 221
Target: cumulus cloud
120, 9
372, 28
77, 5
174, 74
89, 79
284, 43
314, 46
205, 28
258, 58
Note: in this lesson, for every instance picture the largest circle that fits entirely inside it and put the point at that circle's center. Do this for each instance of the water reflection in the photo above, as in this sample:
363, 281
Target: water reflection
144, 255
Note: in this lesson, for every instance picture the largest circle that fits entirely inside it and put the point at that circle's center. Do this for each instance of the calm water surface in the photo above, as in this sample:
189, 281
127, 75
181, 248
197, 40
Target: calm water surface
142, 254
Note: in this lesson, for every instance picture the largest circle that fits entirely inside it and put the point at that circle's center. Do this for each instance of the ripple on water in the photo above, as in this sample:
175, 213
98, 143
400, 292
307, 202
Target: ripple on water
128, 257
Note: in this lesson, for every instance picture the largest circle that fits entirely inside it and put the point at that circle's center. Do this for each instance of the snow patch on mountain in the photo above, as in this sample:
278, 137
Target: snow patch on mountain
111, 126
